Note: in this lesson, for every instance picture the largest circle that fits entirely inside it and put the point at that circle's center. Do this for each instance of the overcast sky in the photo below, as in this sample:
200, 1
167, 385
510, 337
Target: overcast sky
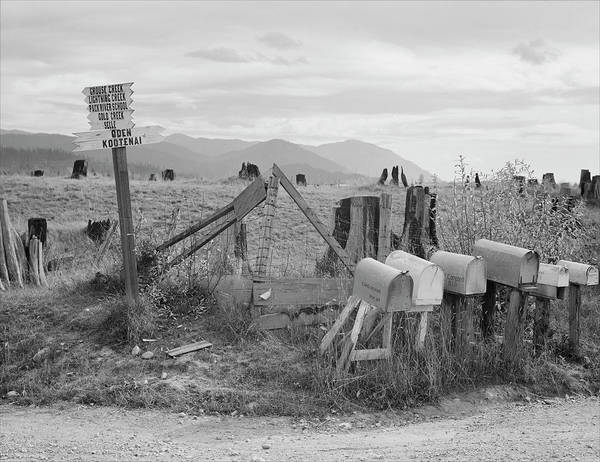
491, 81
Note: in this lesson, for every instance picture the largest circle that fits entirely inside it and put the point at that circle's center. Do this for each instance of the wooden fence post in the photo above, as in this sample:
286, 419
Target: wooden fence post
541, 322
266, 239
574, 304
488, 310
119, 156
12, 263
385, 234
515, 320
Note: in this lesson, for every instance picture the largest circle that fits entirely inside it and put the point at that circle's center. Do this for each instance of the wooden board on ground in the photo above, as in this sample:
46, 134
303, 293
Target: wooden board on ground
189, 348
300, 292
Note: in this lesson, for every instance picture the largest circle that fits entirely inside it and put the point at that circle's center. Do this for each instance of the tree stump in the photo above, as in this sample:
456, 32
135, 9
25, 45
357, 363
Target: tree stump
243, 173
383, 177
585, 179
394, 181
12, 263
168, 175
152, 177
593, 192
519, 182
253, 171
80, 167
37, 227
548, 180
38, 173
300, 179
97, 230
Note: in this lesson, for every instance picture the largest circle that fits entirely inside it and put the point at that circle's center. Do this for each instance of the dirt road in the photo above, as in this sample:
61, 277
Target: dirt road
556, 429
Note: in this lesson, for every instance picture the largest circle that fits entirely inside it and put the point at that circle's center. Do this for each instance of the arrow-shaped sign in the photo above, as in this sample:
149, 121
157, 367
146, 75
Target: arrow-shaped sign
107, 89
117, 138
110, 120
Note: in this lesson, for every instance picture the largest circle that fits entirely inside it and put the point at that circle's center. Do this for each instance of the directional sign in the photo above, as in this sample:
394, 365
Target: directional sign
109, 106
111, 119
117, 138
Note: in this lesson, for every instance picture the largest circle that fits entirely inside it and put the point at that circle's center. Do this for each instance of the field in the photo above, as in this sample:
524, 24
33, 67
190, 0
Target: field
79, 323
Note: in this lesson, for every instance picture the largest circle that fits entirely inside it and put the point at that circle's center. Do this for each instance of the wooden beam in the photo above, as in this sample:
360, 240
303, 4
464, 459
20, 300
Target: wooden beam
302, 292
328, 338
371, 355
513, 329
242, 205
188, 348
312, 217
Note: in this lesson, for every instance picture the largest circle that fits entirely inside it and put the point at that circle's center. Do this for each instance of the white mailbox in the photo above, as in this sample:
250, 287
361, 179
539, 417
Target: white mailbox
427, 277
553, 281
463, 274
509, 265
580, 273
382, 286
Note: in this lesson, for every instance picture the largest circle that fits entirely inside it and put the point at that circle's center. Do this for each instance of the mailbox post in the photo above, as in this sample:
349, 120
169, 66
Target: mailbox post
378, 289
428, 286
580, 274
553, 283
517, 268
465, 277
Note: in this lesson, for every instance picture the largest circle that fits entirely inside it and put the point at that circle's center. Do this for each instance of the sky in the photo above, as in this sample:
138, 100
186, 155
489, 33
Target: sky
492, 81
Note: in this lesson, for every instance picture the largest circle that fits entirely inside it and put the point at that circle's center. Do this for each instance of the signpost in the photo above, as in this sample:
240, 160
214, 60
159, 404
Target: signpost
112, 127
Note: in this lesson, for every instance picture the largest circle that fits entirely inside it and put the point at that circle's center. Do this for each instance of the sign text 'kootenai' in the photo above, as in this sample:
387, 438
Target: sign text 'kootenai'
117, 138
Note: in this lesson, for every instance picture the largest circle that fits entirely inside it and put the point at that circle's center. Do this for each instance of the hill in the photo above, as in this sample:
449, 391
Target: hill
368, 159
207, 146
266, 153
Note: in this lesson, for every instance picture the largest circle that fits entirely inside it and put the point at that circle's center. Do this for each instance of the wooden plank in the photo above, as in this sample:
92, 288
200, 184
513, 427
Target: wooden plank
363, 309
302, 292
188, 348
40, 263
266, 239
272, 321
3, 268
106, 139
33, 261
513, 330
119, 156
574, 306
327, 339
371, 354
312, 217
249, 198
21, 257
385, 231
12, 263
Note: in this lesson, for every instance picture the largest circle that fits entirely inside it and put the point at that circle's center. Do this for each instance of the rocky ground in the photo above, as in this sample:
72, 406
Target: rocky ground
534, 430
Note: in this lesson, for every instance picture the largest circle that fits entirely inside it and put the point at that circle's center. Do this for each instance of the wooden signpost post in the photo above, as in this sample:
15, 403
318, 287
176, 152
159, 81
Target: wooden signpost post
112, 127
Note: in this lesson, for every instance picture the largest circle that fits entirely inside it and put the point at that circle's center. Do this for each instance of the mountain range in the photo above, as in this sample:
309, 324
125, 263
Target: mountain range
345, 161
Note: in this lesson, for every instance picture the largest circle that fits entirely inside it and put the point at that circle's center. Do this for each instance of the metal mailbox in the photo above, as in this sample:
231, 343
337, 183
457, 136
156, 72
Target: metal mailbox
553, 282
382, 286
463, 274
427, 277
580, 273
509, 265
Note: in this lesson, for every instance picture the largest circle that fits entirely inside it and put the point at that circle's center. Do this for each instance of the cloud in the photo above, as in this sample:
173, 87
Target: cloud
536, 52
220, 54
279, 41
229, 55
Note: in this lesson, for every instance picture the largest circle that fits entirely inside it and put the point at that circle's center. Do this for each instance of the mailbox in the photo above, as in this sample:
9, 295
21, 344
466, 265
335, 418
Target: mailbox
463, 274
427, 277
580, 273
382, 286
507, 264
553, 281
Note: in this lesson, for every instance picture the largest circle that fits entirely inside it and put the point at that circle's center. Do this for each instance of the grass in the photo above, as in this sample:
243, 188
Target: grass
82, 322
